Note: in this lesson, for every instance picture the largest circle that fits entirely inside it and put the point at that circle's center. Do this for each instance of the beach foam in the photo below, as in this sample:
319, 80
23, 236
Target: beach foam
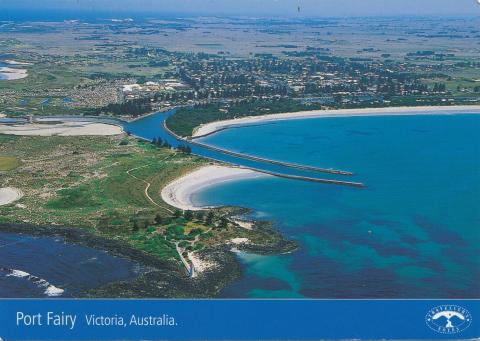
178, 193
50, 290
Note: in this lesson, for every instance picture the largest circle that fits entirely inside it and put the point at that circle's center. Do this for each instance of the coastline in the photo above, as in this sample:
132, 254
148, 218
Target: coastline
62, 129
158, 278
11, 74
213, 127
179, 192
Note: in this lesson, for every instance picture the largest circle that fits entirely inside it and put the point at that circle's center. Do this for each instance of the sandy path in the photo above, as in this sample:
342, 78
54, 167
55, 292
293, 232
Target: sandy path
148, 186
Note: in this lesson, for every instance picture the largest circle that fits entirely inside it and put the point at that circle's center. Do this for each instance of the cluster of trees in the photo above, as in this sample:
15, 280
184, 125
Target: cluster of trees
134, 107
439, 87
184, 149
159, 142
208, 219
185, 120
203, 217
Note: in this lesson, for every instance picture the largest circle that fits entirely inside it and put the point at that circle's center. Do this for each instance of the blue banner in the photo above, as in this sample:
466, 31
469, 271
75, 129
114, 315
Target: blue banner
238, 319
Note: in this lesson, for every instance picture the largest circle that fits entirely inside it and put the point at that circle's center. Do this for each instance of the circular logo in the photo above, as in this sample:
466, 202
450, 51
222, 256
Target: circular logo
448, 319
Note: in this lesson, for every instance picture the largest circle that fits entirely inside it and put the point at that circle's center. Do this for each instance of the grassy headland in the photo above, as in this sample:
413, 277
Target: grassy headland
100, 184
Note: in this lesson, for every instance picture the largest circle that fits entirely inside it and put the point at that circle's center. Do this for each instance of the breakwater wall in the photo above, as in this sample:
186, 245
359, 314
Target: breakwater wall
257, 159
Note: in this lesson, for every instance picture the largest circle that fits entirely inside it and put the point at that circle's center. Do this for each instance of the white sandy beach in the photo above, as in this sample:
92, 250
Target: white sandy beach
9, 73
9, 195
212, 127
61, 129
178, 193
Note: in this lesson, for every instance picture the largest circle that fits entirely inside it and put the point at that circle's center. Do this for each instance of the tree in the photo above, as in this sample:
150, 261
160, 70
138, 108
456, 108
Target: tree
184, 149
135, 226
188, 215
158, 219
177, 214
200, 215
209, 219
223, 223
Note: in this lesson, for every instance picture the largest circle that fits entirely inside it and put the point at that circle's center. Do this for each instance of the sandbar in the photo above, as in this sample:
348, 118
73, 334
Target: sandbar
61, 129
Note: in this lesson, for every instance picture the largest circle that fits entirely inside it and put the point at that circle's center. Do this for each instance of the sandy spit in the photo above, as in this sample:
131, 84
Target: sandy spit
12, 74
62, 129
212, 127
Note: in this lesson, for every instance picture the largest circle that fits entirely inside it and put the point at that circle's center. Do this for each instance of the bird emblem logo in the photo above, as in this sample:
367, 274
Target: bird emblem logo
448, 319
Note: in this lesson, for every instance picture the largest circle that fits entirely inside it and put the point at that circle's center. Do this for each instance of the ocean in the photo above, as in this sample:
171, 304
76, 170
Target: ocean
413, 232
36, 267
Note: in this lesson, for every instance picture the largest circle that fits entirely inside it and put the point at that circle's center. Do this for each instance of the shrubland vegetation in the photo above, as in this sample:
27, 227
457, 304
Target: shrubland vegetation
98, 183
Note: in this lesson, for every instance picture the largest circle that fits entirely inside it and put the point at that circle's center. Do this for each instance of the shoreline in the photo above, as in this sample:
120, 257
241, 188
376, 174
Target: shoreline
65, 128
213, 127
158, 279
11, 74
179, 192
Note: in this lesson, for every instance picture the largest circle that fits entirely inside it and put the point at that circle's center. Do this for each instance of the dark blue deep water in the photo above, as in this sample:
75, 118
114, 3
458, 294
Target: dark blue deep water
414, 231
49, 267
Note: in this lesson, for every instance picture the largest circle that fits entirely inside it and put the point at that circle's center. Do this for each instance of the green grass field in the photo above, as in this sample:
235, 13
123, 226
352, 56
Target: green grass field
99, 183
8, 163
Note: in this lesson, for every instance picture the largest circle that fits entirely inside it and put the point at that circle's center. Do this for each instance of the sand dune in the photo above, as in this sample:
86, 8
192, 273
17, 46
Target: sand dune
62, 129
9, 195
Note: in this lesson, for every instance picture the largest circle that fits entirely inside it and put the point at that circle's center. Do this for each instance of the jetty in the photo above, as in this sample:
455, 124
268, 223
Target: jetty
306, 178
256, 158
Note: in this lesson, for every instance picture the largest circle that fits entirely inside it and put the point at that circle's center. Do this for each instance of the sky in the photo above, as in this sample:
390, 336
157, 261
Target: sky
310, 8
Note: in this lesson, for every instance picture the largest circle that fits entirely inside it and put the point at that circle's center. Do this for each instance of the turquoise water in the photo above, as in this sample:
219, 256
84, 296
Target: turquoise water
413, 232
